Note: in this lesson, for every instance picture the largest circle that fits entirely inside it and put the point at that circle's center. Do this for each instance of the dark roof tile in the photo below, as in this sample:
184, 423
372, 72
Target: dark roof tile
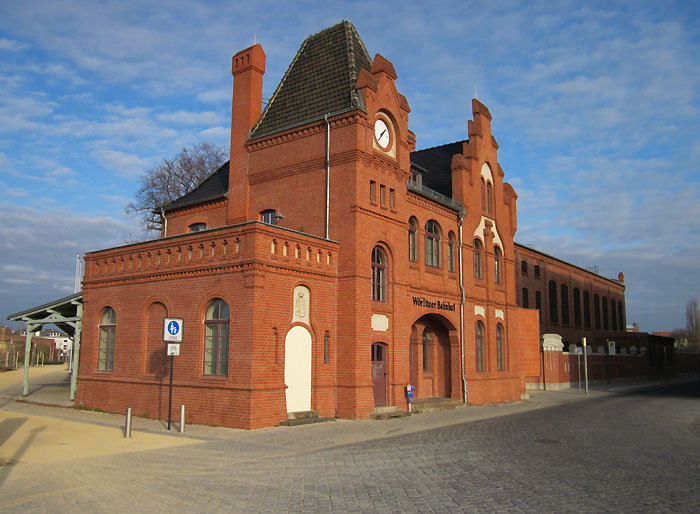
213, 187
321, 79
437, 162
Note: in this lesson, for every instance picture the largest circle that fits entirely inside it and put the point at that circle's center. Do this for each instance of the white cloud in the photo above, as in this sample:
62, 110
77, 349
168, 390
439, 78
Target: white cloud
38, 248
215, 95
190, 118
62, 172
216, 133
122, 163
10, 45
16, 193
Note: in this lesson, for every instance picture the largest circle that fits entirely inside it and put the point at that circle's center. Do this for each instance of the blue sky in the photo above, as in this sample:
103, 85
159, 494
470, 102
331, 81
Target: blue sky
595, 106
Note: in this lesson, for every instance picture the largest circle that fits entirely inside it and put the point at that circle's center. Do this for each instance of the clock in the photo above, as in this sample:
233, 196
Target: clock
382, 134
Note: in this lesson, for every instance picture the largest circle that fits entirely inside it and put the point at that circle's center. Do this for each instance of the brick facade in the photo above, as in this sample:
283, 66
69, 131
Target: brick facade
574, 302
433, 311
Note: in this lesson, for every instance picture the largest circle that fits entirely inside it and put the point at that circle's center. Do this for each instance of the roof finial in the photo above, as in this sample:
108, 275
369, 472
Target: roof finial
255, 40
476, 96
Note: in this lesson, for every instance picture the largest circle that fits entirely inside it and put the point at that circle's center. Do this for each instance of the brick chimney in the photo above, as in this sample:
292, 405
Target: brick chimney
248, 68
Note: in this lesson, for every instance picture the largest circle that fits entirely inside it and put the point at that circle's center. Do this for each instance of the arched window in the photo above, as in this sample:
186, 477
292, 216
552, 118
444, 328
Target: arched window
564, 304
538, 302
479, 346
426, 350
523, 267
620, 319
269, 216
526, 299
378, 275
577, 307
483, 194
613, 312
451, 247
489, 197
537, 271
478, 259
156, 357
499, 348
586, 309
498, 264
216, 331
432, 244
605, 313
108, 327
596, 310
553, 318
412, 239
197, 227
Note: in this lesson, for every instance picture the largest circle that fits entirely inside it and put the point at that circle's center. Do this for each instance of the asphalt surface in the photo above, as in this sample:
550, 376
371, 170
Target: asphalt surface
633, 448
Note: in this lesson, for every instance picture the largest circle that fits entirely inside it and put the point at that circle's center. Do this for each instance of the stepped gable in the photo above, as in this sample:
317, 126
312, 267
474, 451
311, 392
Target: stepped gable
213, 187
437, 161
321, 79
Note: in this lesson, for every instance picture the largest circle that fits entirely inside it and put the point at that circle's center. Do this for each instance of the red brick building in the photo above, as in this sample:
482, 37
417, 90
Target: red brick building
326, 266
573, 302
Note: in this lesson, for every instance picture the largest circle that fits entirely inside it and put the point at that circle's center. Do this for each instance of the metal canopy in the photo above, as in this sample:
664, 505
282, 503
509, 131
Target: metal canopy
67, 314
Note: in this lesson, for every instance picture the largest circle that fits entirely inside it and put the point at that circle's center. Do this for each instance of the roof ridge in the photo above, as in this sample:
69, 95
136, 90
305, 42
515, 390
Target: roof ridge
440, 146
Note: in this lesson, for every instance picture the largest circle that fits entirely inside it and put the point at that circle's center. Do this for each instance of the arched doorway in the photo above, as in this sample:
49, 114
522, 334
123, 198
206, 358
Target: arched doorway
297, 369
430, 357
379, 369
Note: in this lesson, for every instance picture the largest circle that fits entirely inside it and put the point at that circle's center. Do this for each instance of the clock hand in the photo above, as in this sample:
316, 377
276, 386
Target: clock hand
382, 134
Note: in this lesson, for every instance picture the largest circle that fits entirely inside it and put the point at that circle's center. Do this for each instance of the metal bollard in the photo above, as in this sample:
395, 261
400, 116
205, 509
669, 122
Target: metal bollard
182, 418
127, 427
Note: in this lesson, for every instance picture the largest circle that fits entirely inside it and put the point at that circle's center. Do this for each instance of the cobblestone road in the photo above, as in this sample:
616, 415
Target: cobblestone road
618, 453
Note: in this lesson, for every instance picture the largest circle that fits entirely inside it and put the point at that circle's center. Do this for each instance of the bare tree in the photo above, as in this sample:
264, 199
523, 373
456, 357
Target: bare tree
692, 323
171, 179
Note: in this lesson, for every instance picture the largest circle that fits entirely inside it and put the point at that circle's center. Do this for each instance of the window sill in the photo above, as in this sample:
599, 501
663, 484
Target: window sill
215, 378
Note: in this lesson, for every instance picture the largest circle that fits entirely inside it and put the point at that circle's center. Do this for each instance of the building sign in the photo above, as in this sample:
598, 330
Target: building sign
430, 304
173, 349
172, 330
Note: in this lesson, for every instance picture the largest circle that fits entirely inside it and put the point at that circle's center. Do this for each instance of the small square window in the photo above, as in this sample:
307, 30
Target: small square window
392, 198
382, 194
372, 191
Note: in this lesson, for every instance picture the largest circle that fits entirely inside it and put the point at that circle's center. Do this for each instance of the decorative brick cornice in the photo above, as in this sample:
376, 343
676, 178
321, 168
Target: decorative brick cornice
308, 129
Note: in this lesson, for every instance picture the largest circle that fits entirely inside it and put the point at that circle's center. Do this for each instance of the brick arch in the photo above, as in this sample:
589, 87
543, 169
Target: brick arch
433, 341
155, 358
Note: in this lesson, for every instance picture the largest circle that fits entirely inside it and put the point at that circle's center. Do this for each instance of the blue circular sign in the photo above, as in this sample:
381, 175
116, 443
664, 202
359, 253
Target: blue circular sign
173, 327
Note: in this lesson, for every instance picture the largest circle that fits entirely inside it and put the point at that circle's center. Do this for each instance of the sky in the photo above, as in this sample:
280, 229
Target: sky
595, 107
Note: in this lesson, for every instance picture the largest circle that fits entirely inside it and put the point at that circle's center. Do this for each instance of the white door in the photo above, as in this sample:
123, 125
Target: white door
297, 369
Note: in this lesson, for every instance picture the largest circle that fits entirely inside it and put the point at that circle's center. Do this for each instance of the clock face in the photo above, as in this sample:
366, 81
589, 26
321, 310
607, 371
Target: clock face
381, 133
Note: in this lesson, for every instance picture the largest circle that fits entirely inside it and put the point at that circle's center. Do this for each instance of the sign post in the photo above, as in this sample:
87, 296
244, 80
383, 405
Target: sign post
585, 363
172, 334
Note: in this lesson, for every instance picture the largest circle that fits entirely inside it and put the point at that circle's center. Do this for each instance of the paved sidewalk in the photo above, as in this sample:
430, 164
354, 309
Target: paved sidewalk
33, 432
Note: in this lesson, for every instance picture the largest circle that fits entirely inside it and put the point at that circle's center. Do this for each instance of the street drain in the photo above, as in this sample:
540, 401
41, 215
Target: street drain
548, 441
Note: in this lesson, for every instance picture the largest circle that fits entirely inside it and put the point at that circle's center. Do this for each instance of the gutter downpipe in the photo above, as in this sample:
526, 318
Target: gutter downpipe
328, 170
165, 222
328, 206
461, 307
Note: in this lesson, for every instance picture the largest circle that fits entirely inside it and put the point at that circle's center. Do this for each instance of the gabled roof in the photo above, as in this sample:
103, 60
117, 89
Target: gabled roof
437, 163
320, 80
211, 188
